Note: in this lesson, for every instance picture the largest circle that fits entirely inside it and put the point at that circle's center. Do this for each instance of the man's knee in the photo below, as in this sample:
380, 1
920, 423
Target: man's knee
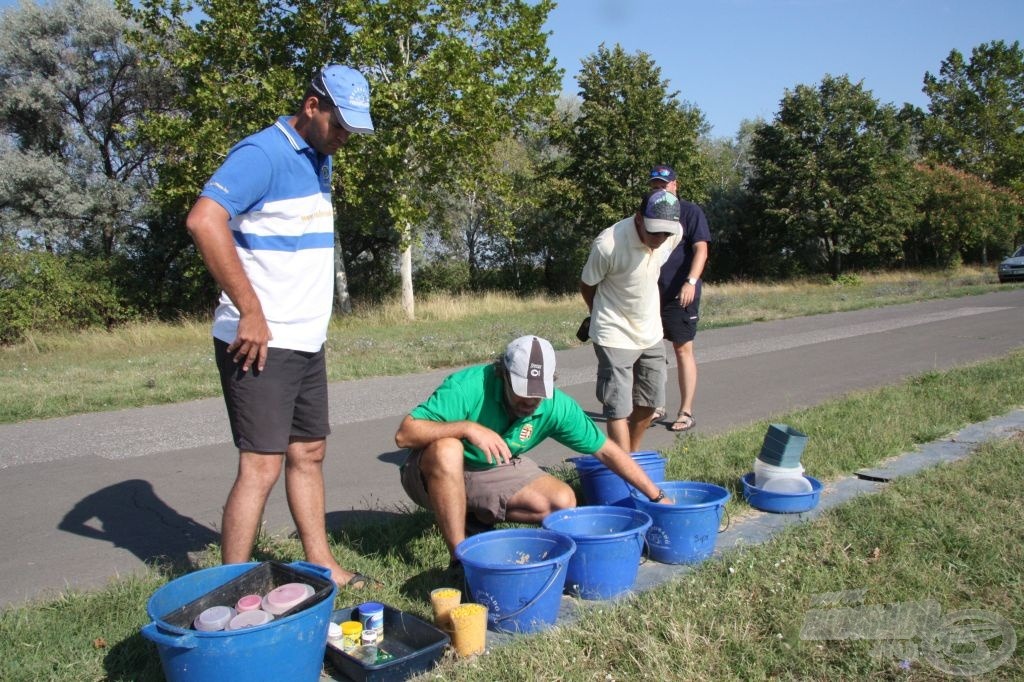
684, 350
545, 495
564, 497
443, 457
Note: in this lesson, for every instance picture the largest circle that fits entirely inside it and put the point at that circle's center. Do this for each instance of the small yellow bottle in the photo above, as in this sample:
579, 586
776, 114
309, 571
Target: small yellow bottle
351, 633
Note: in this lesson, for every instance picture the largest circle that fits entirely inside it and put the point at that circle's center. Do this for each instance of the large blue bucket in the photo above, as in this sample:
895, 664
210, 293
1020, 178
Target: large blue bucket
602, 486
518, 574
289, 648
684, 532
609, 544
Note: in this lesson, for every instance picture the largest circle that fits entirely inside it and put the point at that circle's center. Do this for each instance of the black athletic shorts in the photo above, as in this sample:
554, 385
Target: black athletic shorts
288, 399
679, 323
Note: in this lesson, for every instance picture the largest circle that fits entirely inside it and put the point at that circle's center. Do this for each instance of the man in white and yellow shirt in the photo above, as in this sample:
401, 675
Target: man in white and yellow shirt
619, 284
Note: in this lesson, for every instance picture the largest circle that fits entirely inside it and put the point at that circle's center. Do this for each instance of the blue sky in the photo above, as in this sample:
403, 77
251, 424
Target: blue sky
734, 59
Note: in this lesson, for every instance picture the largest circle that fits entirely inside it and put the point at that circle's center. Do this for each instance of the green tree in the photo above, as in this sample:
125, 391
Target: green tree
728, 206
477, 219
830, 180
236, 65
448, 79
976, 113
963, 218
72, 91
628, 121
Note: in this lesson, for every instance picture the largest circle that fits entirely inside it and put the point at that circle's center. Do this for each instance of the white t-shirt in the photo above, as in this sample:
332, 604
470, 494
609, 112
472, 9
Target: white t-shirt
626, 312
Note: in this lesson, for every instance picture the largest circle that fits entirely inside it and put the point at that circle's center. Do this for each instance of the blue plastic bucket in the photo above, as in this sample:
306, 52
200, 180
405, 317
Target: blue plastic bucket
518, 574
781, 503
684, 532
602, 486
289, 648
609, 543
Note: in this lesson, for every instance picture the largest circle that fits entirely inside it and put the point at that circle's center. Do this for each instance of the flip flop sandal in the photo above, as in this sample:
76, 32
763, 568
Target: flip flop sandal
684, 422
659, 414
358, 581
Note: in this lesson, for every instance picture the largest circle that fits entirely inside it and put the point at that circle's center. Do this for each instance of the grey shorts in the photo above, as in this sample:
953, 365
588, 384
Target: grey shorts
630, 378
287, 399
487, 491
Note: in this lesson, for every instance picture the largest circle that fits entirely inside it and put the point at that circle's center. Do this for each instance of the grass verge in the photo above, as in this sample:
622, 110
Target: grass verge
951, 536
158, 363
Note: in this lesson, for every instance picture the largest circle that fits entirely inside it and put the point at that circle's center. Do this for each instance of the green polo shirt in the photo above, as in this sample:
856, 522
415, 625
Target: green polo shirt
476, 394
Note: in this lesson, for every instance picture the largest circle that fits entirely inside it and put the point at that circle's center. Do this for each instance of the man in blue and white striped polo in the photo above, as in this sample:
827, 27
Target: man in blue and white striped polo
264, 224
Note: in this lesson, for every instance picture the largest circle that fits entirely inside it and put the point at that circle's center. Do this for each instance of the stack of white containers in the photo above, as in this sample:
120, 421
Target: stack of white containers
777, 467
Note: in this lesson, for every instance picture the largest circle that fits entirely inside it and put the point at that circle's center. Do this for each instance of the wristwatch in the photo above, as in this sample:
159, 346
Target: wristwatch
692, 281
659, 498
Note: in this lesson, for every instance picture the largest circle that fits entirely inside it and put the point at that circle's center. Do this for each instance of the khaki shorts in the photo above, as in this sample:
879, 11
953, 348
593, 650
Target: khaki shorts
630, 378
487, 491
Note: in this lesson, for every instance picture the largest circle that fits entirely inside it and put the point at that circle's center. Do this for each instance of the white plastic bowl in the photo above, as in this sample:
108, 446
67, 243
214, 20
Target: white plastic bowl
789, 486
765, 473
249, 619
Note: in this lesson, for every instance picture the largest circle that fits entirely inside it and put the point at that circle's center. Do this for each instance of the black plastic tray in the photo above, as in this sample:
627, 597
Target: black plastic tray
259, 580
415, 644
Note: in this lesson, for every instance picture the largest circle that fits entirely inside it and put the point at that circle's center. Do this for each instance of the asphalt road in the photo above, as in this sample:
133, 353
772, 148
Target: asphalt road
89, 497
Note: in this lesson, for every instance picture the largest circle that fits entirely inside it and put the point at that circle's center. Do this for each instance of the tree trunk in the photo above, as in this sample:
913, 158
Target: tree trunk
405, 269
108, 241
342, 300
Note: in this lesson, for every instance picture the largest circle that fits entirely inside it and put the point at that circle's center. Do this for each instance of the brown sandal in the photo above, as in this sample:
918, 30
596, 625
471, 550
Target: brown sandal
657, 416
358, 581
684, 422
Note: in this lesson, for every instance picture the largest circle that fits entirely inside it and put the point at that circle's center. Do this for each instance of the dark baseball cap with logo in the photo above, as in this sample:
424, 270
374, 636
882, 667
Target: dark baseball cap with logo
530, 361
665, 173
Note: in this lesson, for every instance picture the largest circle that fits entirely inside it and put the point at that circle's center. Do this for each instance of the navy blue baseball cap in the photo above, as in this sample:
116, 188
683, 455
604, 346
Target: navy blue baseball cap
666, 173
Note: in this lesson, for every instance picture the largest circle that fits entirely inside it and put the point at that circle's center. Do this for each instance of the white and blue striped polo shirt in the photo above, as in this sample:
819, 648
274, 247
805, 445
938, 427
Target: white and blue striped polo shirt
277, 192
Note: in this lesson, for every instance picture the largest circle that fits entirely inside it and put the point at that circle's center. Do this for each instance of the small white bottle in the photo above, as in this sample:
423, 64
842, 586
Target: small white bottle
334, 635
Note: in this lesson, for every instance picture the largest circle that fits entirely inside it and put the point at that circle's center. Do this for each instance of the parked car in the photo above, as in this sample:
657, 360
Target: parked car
1012, 268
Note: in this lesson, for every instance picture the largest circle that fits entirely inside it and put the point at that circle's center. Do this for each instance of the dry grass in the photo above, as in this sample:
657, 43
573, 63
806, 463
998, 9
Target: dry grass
150, 363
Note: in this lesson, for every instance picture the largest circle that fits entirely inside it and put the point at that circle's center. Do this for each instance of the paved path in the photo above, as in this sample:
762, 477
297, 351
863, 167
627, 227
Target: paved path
87, 497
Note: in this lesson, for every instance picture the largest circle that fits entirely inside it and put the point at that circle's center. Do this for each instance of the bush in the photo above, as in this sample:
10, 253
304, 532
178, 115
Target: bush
450, 276
45, 292
847, 279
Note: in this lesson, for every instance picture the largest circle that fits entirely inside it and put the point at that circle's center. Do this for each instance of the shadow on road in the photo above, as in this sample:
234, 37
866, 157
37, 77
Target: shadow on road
131, 516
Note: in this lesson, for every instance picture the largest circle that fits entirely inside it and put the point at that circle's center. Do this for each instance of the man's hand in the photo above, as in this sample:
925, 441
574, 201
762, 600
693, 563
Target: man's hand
207, 222
252, 341
687, 294
489, 442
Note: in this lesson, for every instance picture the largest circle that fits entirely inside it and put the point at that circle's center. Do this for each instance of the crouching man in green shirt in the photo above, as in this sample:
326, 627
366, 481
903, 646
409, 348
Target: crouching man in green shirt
467, 439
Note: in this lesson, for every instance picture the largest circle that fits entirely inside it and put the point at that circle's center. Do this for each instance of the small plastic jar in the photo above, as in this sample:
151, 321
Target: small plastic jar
368, 638
351, 635
249, 602
371, 617
334, 634
214, 618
